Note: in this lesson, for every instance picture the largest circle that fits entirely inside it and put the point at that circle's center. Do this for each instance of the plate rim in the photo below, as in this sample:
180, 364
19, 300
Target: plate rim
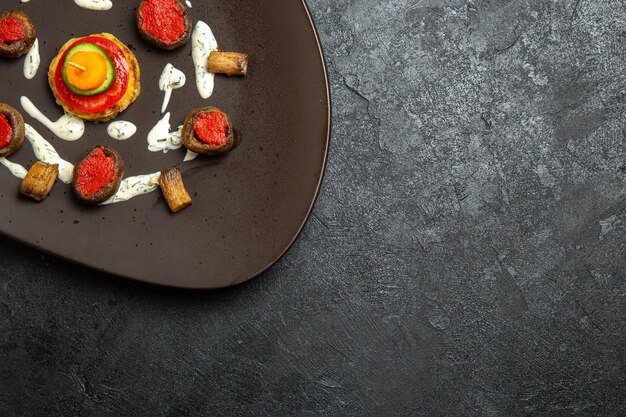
324, 162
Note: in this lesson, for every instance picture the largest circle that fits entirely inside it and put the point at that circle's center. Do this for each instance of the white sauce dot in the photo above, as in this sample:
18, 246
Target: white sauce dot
121, 130
95, 4
32, 61
190, 156
202, 44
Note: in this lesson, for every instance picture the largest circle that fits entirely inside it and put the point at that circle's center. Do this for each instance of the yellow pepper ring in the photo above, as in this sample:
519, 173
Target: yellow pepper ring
94, 73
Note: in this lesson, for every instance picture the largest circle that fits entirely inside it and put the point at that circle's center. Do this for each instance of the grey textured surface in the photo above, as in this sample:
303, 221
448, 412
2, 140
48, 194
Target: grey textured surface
466, 255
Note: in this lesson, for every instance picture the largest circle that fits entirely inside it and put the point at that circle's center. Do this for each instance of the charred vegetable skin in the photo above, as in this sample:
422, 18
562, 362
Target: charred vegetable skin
39, 180
164, 23
97, 176
174, 191
17, 33
12, 125
208, 131
229, 63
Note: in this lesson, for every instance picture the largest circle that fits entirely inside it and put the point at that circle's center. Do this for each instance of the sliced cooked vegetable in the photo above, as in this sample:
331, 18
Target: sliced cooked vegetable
39, 180
229, 63
173, 188
88, 70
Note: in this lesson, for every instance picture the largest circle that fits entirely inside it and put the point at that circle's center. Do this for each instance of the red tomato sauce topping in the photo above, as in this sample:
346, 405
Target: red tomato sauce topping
105, 100
163, 19
211, 128
95, 173
11, 30
6, 131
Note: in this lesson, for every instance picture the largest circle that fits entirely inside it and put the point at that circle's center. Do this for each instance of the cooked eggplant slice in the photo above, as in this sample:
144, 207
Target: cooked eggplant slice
11, 130
229, 63
97, 176
39, 180
207, 131
174, 191
164, 23
17, 33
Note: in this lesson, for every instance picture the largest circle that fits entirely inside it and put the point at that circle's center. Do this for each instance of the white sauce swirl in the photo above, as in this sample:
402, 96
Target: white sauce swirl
133, 186
121, 130
16, 169
95, 4
161, 139
32, 61
203, 43
45, 152
68, 127
171, 78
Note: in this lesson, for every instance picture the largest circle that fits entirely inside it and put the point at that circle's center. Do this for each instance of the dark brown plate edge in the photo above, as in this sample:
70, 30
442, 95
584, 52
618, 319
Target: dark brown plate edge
323, 170
289, 245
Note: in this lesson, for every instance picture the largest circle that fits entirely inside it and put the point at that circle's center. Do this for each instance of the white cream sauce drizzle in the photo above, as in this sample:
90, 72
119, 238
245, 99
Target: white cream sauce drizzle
121, 130
32, 61
203, 43
171, 78
134, 186
68, 127
16, 169
190, 156
90, 4
161, 139
95, 4
45, 152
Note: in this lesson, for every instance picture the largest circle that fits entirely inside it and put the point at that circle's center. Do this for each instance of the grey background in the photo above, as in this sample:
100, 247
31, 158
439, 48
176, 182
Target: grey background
466, 255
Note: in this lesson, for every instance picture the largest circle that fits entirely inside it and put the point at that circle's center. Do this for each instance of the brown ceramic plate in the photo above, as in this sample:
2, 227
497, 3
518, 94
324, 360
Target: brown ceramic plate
248, 206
